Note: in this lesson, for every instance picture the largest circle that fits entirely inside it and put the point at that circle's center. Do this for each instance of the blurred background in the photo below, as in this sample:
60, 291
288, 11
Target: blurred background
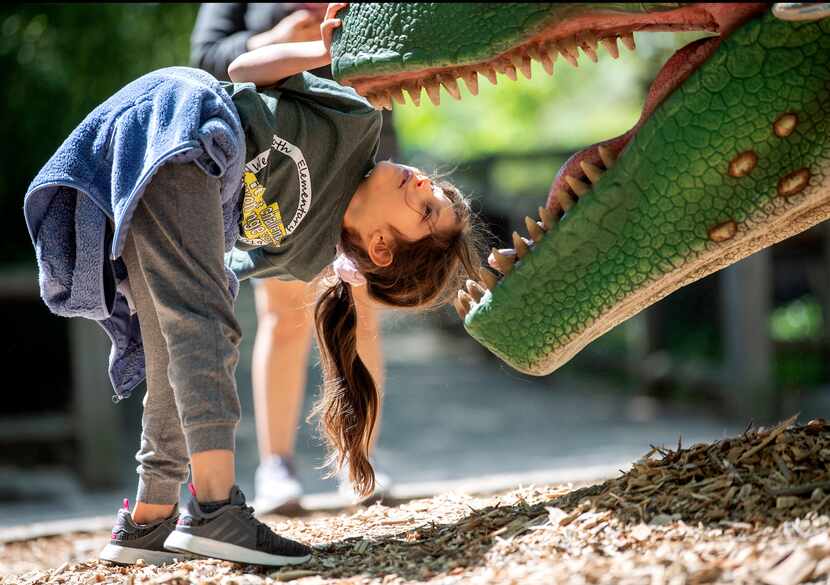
747, 344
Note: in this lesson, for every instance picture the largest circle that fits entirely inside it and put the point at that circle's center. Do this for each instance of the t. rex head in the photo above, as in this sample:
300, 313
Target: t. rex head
731, 153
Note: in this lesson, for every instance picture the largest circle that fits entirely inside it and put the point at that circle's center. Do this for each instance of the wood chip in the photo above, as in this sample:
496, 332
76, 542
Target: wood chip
291, 575
796, 568
741, 510
780, 428
640, 532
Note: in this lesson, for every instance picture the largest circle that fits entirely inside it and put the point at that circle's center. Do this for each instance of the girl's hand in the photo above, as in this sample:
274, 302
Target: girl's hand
300, 25
330, 23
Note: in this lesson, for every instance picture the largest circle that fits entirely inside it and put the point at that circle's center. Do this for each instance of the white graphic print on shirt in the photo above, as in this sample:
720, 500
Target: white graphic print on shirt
262, 222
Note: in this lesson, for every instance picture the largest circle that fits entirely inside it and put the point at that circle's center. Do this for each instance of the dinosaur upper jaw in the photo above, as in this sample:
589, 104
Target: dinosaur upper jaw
560, 39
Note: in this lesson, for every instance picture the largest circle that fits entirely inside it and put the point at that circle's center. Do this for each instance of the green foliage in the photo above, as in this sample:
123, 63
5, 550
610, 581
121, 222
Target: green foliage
573, 108
799, 320
60, 61
800, 362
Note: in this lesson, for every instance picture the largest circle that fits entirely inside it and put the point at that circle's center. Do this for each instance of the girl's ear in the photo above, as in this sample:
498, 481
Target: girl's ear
379, 252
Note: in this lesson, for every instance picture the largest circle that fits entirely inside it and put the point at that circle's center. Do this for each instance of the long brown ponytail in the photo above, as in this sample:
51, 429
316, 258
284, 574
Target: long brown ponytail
348, 406
424, 275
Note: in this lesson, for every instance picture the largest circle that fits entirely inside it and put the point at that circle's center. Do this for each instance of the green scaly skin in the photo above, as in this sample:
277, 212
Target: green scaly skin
377, 39
668, 212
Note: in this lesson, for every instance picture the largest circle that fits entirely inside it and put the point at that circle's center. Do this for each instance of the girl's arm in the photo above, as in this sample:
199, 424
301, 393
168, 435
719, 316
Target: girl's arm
273, 63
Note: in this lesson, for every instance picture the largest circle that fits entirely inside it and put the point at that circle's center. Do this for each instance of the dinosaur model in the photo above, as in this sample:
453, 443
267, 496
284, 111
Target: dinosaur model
731, 153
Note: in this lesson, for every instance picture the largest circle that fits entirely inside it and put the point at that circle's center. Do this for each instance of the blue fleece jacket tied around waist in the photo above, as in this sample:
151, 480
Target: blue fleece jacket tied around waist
78, 207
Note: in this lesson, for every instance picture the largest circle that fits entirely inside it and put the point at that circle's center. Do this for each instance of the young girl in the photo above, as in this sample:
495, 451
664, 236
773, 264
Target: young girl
285, 321
139, 223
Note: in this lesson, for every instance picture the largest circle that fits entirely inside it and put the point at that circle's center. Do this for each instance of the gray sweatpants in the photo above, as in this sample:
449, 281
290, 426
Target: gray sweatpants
175, 262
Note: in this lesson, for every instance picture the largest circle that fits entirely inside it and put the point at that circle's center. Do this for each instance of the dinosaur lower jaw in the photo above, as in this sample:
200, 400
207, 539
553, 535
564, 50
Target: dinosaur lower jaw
732, 162
586, 166
813, 208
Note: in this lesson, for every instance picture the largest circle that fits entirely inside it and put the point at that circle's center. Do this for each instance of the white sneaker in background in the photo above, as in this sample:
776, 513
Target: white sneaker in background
383, 485
276, 486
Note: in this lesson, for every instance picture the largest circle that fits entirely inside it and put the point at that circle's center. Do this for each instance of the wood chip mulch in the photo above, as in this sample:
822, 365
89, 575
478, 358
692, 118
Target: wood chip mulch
749, 509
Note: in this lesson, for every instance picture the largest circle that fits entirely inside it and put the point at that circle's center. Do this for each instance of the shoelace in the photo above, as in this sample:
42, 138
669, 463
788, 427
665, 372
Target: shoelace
262, 528
267, 538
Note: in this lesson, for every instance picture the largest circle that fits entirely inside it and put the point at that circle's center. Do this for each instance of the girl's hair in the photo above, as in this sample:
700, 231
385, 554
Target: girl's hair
423, 275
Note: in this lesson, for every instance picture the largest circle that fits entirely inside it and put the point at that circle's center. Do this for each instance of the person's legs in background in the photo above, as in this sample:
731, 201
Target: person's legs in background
285, 324
278, 366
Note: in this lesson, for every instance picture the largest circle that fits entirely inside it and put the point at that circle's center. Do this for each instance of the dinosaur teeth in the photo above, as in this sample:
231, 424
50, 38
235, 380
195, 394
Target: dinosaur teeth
593, 172
565, 199
475, 290
490, 73
463, 303
451, 85
489, 279
414, 91
551, 49
610, 44
397, 95
536, 233
578, 186
541, 55
545, 52
567, 47
459, 308
523, 64
465, 298
385, 99
607, 156
380, 100
504, 264
520, 246
588, 43
548, 218
471, 79
434, 92
507, 69
373, 99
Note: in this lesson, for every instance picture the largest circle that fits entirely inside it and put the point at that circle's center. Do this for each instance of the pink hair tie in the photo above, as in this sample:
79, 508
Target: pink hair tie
346, 270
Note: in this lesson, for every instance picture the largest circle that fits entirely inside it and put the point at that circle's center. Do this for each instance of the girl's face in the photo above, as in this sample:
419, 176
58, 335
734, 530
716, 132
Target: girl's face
408, 201
399, 201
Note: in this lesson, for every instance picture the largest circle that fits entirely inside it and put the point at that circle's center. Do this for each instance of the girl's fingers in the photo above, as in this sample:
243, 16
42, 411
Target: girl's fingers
331, 23
327, 30
334, 8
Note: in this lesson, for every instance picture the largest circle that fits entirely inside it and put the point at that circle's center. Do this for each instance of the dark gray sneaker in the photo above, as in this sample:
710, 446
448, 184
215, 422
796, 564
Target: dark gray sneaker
131, 541
231, 533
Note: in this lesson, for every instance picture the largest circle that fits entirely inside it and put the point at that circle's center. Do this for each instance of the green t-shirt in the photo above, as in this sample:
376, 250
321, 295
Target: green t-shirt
309, 143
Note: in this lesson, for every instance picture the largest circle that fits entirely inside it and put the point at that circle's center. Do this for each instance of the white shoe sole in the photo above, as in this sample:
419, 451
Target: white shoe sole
216, 549
125, 555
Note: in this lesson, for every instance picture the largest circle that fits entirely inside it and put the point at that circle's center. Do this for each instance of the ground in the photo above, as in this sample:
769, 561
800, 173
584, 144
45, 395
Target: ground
747, 509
